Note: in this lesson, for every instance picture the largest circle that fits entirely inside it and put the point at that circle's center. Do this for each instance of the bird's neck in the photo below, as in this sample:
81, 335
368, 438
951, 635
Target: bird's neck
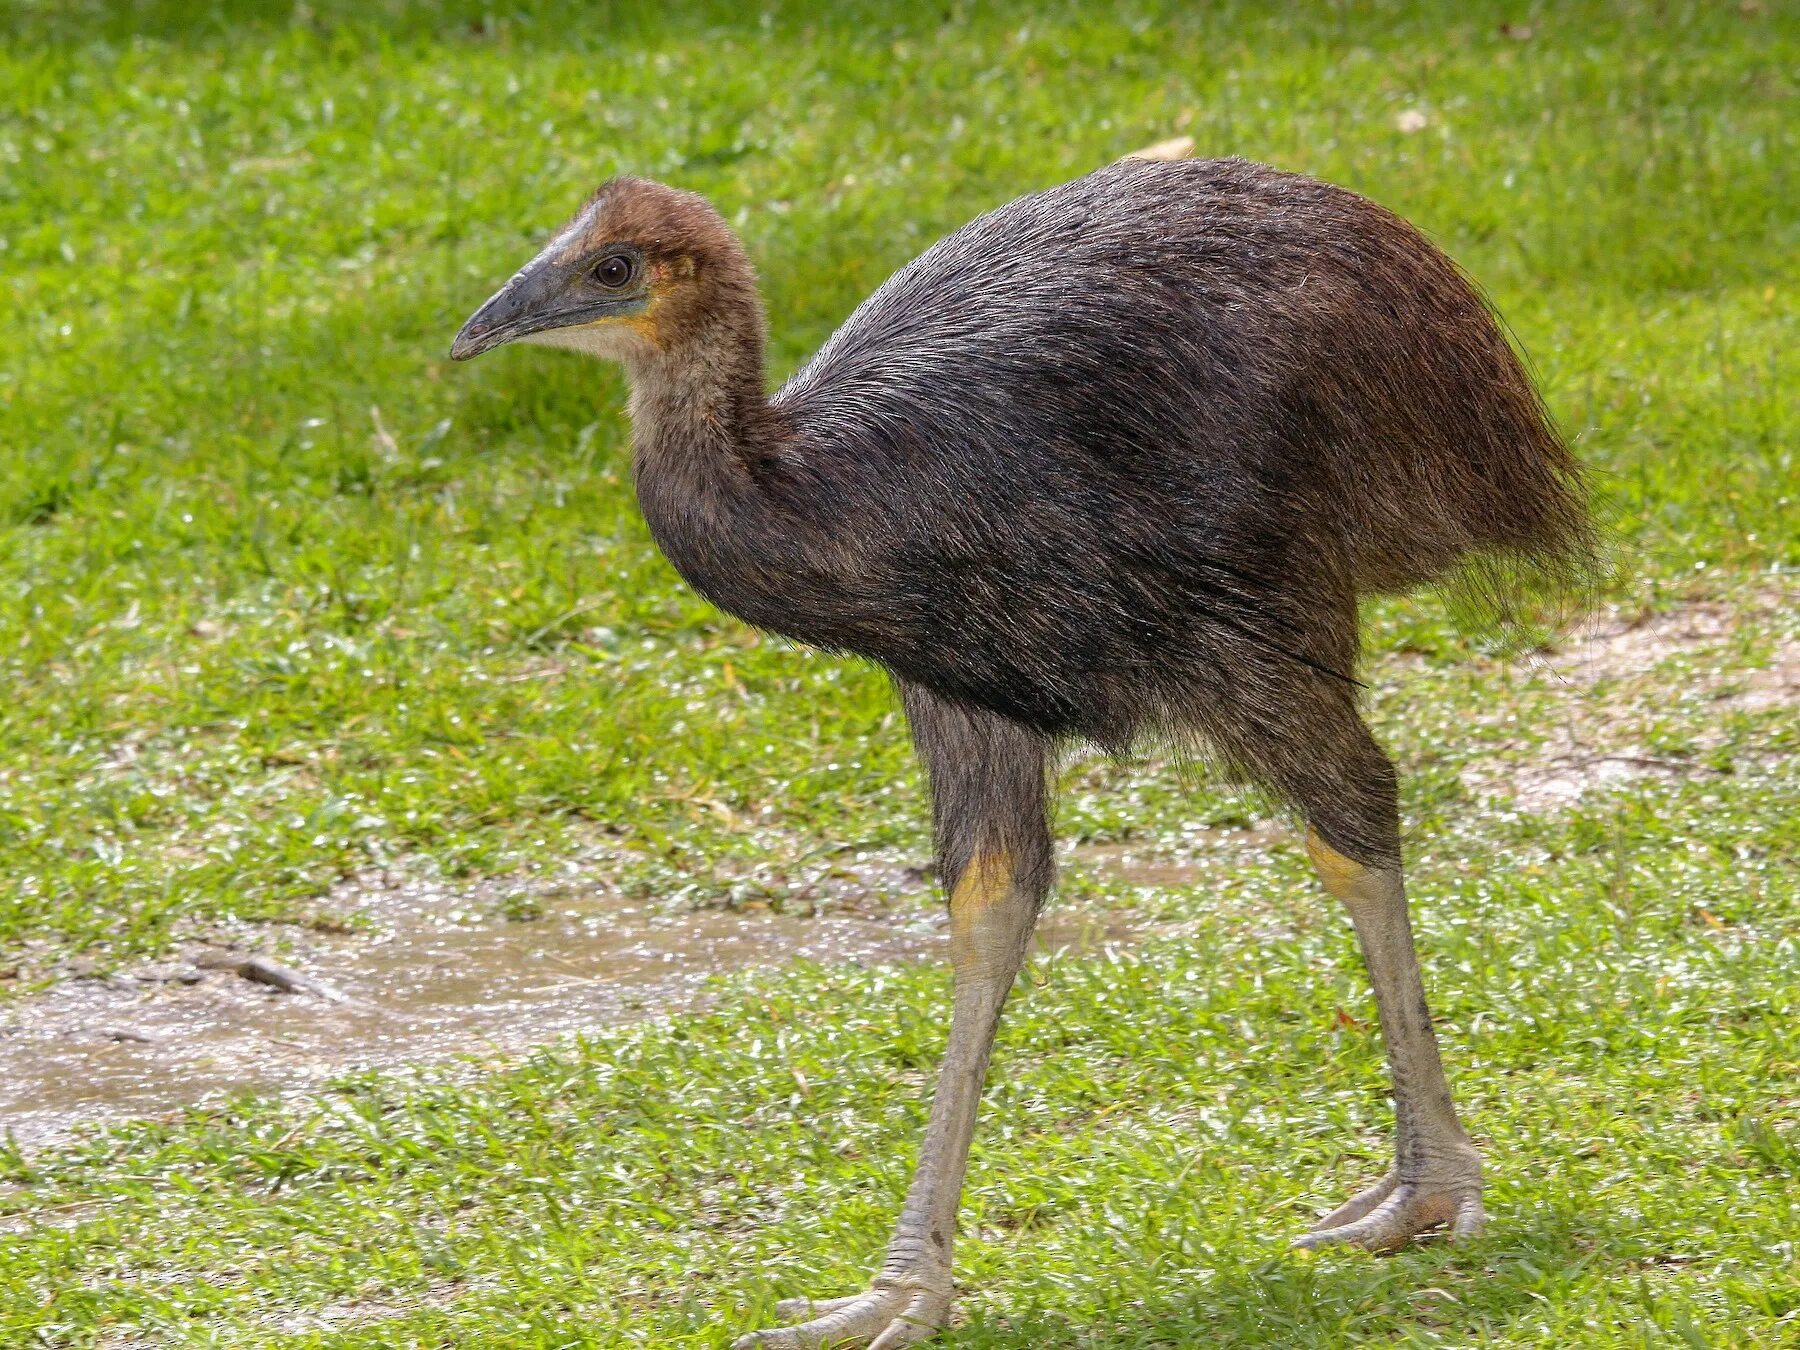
703, 434
701, 410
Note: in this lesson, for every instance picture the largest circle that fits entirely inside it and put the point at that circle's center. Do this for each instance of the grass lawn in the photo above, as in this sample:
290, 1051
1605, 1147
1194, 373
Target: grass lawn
284, 595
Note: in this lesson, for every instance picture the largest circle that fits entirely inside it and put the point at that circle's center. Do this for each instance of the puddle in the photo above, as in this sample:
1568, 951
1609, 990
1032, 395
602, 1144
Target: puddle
1132, 865
445, 974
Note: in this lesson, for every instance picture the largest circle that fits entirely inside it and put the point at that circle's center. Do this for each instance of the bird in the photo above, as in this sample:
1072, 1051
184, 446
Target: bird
1111, 465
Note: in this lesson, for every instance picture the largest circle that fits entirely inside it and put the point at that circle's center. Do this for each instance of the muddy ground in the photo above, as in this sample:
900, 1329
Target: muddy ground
430, 971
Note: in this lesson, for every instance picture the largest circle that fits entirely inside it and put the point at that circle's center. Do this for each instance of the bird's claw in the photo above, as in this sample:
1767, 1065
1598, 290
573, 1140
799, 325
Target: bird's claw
1393, 1211
884, 1318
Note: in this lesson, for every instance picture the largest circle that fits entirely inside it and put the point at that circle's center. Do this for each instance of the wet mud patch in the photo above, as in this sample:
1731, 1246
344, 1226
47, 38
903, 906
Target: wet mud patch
413, 971
424, 970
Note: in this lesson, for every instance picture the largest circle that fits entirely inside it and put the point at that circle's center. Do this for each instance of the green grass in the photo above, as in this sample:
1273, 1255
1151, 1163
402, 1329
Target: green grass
1159, 1126
282, 593
252, 639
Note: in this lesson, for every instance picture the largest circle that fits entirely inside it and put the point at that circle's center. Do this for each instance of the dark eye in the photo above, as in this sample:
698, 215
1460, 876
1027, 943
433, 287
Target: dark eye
613, 272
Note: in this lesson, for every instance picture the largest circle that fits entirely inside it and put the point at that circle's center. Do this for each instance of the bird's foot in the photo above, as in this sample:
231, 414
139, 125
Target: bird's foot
1395, 1209
889, 1315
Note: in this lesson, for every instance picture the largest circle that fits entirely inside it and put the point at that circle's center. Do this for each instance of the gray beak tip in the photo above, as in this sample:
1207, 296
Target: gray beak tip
467, 345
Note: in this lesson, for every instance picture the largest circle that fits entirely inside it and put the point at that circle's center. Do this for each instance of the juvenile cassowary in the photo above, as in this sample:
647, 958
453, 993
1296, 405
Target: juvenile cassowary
1113, 462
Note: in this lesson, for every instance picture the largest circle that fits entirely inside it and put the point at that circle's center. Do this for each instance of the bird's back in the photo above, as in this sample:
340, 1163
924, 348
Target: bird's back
1162, 401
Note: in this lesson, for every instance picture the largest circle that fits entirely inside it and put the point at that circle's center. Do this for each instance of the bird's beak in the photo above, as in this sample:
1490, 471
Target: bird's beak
545, 294
526, 304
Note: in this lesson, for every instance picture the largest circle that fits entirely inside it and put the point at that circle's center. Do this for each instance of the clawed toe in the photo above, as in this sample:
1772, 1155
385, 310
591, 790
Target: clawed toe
1391, 1212
882, 1319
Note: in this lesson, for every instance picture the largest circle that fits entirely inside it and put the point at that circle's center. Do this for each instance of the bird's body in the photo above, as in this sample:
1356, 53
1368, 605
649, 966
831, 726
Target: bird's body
1117, 459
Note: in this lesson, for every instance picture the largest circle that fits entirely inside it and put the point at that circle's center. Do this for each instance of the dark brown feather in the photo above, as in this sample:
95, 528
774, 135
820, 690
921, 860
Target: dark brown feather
1116, 459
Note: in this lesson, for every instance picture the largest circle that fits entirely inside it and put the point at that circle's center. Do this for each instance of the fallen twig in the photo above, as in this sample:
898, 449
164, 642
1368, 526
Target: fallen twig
272, 973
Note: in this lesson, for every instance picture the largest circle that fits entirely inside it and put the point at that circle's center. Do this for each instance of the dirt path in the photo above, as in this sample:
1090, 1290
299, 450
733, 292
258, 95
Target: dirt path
1622, 675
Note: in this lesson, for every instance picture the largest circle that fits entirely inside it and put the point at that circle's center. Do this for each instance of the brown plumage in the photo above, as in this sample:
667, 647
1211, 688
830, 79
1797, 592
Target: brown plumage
1116, 460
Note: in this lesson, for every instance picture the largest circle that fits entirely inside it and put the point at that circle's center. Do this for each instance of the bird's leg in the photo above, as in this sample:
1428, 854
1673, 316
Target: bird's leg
990, 923
988, 781
1437, 1173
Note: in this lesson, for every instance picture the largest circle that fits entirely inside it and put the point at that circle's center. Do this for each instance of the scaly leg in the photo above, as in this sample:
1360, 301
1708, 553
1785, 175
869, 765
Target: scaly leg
991, 807
1436, 1176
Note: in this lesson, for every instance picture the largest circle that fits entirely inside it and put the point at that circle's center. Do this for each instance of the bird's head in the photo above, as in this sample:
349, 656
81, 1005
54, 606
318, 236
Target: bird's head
643, 270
